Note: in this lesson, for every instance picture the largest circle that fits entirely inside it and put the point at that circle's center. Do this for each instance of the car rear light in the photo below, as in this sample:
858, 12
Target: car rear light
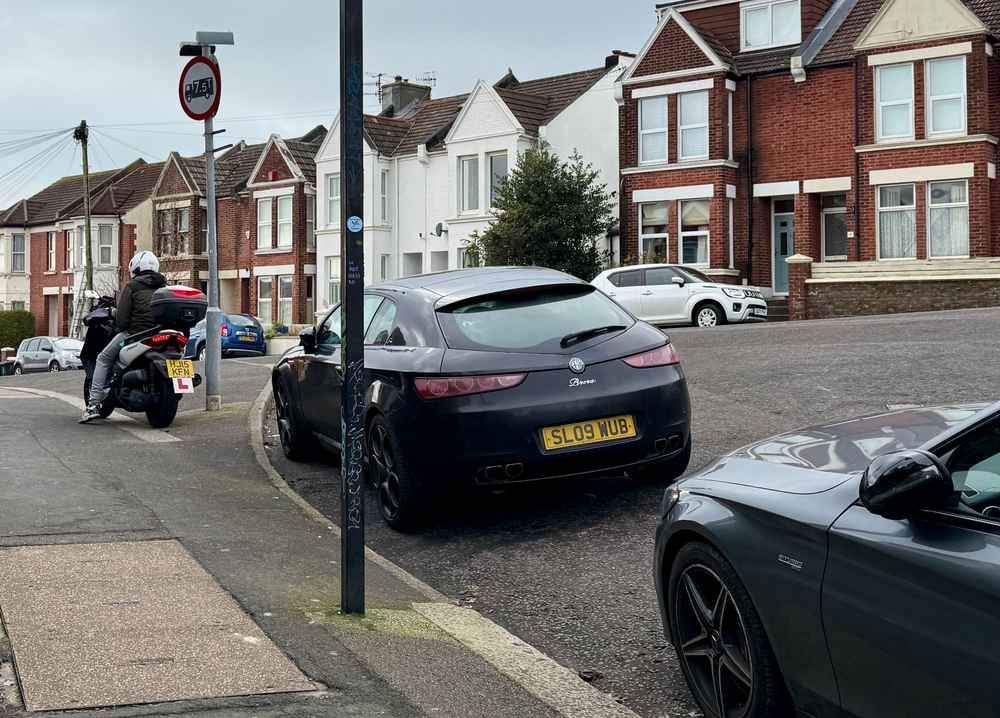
664, 356
158, 340
224, 330
446, 387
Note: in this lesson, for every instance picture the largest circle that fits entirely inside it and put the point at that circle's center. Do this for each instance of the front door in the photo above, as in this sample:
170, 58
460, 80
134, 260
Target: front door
910, 606
662, 299
52, 309
783, 242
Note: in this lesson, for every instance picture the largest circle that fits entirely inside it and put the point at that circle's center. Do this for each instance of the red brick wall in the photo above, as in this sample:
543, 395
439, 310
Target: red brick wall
672, 50
173, 182
126, 248
275, 163
866, 298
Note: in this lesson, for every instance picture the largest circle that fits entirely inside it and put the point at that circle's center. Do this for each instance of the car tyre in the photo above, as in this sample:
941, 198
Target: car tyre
399, 498
202, 351
667, 470
289, 427
719, 639
54, 367
18, 370
708, 315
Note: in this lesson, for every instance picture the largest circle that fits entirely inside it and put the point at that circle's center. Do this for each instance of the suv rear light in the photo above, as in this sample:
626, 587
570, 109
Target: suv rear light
446, 387
664, 356
224, 330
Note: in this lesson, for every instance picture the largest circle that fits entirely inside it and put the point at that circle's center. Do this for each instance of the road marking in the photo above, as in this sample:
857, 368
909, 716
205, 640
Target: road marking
553, 684
118, 420
538, 674
251, 363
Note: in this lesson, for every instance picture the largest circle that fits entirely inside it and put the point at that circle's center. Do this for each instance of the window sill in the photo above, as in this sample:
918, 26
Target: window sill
773, 46
273, 250
50, 272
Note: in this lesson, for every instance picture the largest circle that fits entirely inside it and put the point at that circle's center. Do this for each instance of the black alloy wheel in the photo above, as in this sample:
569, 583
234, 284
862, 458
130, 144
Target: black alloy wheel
289, 433
54, 367
719, 639
398, 500
202, 351
18, 370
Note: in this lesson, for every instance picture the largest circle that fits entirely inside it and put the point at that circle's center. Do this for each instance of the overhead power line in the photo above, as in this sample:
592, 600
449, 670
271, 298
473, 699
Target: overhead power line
153, 155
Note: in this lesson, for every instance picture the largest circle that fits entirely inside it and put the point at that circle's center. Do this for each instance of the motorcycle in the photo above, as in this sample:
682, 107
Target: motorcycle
151, 375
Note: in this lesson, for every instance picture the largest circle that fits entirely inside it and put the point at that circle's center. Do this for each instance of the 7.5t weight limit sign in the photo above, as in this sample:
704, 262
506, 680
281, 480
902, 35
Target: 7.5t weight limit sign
200, 88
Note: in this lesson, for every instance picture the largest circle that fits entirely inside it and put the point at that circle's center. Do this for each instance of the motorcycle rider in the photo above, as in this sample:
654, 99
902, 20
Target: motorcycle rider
133, 315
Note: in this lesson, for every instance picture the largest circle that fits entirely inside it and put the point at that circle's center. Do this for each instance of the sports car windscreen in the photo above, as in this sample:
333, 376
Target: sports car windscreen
545, 320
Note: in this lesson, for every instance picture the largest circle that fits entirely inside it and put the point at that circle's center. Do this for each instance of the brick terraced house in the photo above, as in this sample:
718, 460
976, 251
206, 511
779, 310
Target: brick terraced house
840, 153
265, 204
49, 228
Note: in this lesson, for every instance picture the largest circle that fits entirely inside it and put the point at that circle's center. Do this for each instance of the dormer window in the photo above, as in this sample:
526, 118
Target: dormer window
770, 23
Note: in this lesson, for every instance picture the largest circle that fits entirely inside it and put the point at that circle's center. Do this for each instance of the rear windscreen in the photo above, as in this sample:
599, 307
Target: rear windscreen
530, 320
238, 320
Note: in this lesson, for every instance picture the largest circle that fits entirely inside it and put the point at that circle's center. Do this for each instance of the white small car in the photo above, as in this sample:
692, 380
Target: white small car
675, 294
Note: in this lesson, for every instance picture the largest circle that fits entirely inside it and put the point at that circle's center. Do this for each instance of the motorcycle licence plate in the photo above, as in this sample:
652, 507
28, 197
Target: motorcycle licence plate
180, 368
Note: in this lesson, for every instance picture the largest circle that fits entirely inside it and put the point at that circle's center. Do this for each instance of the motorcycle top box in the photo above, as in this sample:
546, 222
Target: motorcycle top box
177, 307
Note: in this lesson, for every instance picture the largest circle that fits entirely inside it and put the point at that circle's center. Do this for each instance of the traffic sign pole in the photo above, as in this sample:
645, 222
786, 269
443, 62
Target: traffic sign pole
352, 271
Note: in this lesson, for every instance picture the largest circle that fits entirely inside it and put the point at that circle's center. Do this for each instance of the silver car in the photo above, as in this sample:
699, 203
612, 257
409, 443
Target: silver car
48, 354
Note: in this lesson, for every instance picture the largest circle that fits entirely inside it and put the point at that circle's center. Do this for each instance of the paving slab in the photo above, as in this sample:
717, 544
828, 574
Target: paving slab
127, 623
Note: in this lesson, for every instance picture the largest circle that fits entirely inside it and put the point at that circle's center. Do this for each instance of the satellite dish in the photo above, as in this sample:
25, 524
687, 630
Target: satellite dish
440, 229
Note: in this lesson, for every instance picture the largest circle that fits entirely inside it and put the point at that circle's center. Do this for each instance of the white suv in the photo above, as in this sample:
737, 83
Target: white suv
674, 294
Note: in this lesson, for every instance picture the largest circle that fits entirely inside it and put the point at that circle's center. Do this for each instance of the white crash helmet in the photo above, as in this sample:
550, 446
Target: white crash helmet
144, 262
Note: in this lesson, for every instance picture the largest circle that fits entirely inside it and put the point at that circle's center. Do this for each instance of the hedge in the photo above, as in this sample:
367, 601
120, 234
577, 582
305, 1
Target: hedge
15, 327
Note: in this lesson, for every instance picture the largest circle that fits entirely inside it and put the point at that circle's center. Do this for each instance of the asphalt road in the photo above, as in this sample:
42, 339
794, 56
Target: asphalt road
569, 568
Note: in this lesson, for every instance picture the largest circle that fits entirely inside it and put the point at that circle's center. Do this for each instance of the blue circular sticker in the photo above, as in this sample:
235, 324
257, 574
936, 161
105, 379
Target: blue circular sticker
354, 224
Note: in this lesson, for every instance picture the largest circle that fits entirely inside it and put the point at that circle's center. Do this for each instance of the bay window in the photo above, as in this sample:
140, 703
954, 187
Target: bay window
946, 96
51, 252
264, 223
498, 173
17, 254
385, 266
285, 221
468, 184
333, 281
81, 246
285, 300
653, 231
948, 224
384, 196
265, 293
184, 221
693, 125
897, 222
310, 223
413, 263
653, 129
68, 253
333, 200
104, 245
202, 248
770, 23
894, 90
692, 242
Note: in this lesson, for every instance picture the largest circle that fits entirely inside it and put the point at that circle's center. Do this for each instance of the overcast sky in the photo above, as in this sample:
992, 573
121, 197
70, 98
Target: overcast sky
115, 62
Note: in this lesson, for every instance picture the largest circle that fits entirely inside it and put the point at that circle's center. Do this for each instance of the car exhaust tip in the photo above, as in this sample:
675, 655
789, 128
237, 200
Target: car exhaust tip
660, 445
514, 471
493, 474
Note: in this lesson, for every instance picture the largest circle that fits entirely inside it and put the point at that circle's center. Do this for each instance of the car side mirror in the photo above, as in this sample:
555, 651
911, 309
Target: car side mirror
679, 281
47, 350
307, 340
899, 484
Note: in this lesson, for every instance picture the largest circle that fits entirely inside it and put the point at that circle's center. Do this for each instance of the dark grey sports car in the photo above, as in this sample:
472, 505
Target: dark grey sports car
851, 569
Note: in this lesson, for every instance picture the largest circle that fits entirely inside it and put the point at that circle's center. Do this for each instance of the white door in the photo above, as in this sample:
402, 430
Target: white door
662, 299
52, 307
627, 289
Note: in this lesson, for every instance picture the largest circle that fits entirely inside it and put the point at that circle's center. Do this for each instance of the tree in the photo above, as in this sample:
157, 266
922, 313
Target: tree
548, 213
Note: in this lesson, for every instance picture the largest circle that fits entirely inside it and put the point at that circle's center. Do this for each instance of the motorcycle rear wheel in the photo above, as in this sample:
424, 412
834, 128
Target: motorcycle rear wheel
163, 414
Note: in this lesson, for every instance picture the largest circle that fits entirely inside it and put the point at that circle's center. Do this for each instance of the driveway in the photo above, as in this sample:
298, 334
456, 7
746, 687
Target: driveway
569, 567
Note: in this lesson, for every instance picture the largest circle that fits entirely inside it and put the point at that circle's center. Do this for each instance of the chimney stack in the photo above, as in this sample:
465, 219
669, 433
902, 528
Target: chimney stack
401, 93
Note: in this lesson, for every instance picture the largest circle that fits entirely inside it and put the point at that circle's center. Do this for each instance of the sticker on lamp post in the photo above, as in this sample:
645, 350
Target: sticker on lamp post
354, 224
200, 88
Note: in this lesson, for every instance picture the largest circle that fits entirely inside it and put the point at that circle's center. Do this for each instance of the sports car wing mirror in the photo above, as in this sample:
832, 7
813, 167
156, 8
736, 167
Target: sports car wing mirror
899, 484
307, 339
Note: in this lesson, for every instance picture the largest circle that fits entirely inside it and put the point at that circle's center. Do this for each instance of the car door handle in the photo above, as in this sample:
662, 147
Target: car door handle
611, 294
646, 293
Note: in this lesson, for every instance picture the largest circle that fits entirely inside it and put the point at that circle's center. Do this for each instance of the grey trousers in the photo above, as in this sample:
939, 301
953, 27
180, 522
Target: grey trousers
102, 370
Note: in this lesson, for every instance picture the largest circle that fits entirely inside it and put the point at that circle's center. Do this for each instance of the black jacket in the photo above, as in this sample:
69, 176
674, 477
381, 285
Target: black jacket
134, 313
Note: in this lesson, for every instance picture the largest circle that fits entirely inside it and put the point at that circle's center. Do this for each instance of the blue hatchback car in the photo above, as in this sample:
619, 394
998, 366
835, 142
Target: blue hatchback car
242, 335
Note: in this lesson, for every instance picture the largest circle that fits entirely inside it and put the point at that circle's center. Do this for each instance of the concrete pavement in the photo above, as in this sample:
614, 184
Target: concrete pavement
66, 485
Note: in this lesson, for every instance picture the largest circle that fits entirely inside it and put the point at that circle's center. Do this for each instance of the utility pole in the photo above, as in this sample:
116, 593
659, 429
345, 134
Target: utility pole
82, 135
352, 270
200, 93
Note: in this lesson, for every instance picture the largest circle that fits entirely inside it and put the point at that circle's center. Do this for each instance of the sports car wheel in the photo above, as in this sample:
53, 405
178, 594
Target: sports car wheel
292, 442
398, 499
54, 367
719, 639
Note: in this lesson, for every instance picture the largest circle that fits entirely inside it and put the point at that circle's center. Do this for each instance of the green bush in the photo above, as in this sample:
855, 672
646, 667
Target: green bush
15, 327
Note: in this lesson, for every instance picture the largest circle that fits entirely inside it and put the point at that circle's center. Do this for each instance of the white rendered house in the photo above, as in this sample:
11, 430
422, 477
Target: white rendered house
432, 166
